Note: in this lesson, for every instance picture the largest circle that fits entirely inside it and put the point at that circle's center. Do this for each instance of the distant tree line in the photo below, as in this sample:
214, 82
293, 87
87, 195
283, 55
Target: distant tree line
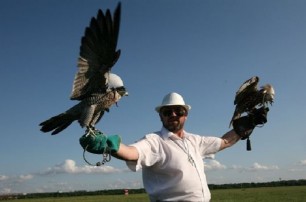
279, 183
301, 182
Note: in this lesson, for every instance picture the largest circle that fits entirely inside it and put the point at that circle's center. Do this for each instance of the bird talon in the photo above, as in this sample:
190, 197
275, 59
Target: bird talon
90, 131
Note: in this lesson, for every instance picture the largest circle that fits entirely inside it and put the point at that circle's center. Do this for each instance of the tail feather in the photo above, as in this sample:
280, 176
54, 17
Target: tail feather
57, 123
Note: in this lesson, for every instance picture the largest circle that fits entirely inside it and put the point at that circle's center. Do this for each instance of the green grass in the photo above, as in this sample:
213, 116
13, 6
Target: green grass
100, 198
266, 194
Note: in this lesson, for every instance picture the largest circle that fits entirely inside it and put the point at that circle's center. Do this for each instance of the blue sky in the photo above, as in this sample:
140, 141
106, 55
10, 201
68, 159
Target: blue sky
203, 50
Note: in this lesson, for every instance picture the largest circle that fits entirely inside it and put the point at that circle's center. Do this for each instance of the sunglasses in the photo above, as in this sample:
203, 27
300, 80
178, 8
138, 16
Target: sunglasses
168, 111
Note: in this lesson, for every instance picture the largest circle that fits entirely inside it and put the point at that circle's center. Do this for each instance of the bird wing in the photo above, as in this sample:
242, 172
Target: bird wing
98, 54
247, 88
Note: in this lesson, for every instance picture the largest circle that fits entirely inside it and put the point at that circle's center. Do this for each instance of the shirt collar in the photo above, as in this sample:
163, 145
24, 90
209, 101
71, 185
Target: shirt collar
165, 134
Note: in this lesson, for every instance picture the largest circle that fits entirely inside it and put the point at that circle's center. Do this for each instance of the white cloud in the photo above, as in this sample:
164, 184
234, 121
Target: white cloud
255, 167
214, 165
236, 167
296, 170
5, 191
8, 182
302, 162
3, 177
25, 177
258, 167
19, 178
69, 166
299, 166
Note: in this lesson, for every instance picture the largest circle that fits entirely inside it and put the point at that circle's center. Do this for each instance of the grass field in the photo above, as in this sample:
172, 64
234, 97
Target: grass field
267, 194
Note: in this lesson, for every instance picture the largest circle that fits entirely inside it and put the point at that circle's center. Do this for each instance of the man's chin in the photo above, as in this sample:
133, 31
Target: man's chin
173, 128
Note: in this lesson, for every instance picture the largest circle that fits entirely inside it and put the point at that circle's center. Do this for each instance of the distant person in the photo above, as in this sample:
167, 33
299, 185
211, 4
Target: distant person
172, 159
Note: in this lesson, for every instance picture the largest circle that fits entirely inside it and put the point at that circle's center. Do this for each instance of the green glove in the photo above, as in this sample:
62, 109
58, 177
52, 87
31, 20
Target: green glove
99, 143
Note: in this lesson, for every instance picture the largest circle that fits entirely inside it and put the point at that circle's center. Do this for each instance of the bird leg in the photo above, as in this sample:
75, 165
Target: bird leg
90, 131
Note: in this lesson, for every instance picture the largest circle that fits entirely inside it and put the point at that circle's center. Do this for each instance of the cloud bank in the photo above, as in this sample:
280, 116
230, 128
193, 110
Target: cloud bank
9, 184
216, 165
69, 167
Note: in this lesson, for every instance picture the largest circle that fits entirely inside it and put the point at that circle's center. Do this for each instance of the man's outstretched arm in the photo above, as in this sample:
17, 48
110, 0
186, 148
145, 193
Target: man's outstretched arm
229, 139
127, 153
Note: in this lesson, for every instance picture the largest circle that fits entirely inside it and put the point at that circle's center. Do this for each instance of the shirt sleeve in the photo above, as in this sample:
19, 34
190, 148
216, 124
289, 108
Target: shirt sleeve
148, 153
209, 145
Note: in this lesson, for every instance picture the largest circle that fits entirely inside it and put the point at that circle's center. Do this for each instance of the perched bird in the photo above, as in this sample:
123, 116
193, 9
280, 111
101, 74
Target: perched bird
248, 97
94, 85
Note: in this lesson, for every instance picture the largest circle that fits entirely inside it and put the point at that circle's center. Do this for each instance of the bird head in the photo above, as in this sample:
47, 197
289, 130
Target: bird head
122, 91
115, 82
268, 92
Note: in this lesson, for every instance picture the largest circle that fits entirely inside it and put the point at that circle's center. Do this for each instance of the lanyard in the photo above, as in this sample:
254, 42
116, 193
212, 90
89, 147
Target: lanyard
190, 159
186, 150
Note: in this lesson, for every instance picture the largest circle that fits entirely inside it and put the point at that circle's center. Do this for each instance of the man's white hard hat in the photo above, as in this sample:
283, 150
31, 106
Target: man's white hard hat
173, 99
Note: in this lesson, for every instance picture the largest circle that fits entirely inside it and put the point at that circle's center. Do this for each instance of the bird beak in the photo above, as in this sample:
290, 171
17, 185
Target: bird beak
122, 91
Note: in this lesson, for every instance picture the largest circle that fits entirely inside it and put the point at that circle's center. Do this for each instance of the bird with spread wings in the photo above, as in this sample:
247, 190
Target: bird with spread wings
94, 86
248, 97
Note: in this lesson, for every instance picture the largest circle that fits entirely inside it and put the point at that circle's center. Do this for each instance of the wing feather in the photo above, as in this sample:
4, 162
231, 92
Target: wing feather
248, 87
98, 54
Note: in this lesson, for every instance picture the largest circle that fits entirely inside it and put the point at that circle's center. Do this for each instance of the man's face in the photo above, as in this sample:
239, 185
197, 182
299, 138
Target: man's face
173, 117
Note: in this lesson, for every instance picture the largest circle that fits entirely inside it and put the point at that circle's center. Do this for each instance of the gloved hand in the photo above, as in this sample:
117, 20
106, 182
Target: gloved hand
100, 143
244, 126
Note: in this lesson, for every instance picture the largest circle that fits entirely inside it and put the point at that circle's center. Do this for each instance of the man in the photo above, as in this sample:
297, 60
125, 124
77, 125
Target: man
172, 159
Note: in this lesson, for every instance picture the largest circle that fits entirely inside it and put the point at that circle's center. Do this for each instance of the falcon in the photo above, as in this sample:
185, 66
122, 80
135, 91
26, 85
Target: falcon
94, 86
249, 97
